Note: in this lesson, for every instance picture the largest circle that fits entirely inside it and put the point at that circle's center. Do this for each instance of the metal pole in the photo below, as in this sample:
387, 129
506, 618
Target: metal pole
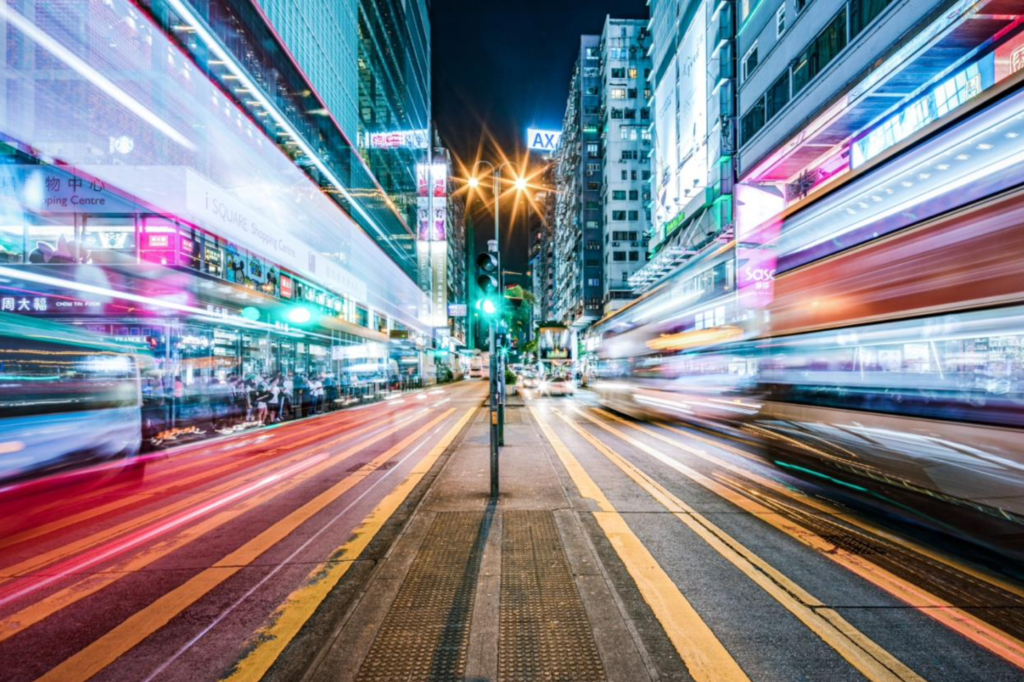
501, 294
494, 416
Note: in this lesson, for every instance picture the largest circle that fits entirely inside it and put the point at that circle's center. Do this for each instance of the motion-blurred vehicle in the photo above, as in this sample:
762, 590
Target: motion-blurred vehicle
879, 351
67, 398
557, 385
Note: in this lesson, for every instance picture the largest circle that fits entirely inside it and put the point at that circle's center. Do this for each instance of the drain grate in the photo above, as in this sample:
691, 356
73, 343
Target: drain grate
544, 632
854, 544
425, 635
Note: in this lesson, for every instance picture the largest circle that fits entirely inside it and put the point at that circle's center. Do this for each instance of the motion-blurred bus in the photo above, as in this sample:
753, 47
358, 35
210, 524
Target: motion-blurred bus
66, 398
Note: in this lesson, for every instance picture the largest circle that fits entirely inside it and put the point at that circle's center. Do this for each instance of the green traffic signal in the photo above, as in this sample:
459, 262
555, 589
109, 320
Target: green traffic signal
488, 306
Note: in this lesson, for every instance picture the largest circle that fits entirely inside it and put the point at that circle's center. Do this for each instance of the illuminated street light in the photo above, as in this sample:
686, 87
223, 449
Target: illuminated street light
474, 182
520, 184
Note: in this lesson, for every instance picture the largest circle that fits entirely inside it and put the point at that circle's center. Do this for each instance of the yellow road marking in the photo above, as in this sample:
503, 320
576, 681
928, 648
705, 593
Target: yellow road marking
874, 662
823, 507
271, 640
978, 631
111, 646
94, 582
700, 650
38, 561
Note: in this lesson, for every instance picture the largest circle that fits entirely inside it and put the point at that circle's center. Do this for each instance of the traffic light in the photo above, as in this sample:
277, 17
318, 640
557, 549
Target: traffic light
487, 272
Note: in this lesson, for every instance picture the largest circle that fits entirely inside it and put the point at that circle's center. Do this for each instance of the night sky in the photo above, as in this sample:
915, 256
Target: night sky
500, 66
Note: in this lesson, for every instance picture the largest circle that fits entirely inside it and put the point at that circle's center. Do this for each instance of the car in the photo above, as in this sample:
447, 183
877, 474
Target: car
557, 386
527, 380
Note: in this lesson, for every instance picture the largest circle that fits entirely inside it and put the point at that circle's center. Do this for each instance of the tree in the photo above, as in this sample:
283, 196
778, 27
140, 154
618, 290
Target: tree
518, 314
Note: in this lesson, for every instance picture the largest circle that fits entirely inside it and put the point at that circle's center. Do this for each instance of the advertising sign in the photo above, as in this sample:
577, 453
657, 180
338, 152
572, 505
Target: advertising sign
432, 202
543, 140
457, 310
681, 130
399, 139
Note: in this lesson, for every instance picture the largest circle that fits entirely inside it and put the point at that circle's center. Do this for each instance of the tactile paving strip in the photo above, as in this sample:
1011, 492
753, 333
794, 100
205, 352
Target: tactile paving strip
425, 635
544, 632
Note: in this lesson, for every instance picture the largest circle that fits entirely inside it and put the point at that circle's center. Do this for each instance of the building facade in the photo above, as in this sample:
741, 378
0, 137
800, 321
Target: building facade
693, 103
369, 61
579, 235
625, 131
175, 177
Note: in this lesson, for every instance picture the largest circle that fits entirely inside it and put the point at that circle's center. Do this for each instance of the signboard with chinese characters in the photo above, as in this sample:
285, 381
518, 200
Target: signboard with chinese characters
543, 140
400, 139
432, 201
457, 310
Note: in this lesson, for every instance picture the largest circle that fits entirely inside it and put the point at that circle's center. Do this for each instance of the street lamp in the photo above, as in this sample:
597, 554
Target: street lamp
498, 395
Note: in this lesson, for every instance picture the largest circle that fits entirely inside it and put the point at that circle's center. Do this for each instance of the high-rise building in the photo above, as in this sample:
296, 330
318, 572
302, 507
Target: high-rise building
578, 232
602, 216
625, 145
693, 172
369, 60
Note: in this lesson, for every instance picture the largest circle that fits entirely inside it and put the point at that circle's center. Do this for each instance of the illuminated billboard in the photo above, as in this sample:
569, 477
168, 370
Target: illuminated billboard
399, 139
543, 140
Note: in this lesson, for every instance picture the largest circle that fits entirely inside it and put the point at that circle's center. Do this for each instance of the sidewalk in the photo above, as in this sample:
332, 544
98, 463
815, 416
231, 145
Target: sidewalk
476, 591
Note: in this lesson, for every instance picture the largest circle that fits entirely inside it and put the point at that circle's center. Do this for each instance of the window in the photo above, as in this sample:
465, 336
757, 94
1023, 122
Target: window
593, 168
616, 112
589, 129
634, 256
617, 93
780, 21
591, 72
630, 114
629, 155
591, 224
593, 148
618, 215
801, 4
863, 12
645, 114
592, 53
631, 235
752, 121
619, 256
593, 282
632, 93
634, 215
634, 195
778, 96
749, 62
813, 60
618, 73
625, 175
647, 175
594, 186
633, 175
633, 72
619, 195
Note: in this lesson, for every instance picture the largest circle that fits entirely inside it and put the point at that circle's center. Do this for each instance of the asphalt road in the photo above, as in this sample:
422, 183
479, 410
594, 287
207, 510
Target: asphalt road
168, 570
771, 576
693, 558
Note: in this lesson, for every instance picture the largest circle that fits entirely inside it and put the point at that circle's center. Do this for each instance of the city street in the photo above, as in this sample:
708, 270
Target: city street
167, 572
657, 551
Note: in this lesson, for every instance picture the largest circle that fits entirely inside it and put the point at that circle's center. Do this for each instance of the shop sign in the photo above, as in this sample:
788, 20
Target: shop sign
286, 287
398, 334
457, 310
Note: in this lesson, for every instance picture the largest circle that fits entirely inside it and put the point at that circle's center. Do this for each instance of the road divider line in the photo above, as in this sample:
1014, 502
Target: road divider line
874, 662
702, 653
959, 620
37, 562
142, 624
94, 582
270, 641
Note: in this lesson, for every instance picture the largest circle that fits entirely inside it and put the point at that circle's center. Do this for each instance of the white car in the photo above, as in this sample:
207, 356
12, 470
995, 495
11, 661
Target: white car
557, 386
